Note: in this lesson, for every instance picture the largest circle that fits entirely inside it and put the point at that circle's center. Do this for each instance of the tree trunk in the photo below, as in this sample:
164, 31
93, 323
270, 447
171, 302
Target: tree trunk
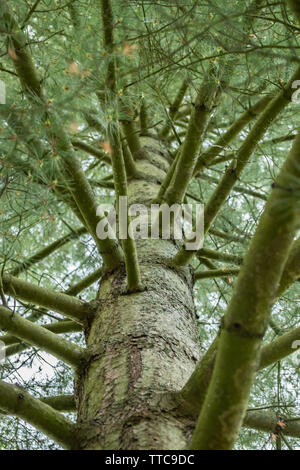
141, 345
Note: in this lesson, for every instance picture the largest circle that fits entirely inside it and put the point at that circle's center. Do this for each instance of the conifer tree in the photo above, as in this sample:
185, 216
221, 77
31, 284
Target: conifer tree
124, 342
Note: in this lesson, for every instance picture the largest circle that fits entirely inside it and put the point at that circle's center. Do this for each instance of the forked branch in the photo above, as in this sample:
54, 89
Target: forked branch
247, 315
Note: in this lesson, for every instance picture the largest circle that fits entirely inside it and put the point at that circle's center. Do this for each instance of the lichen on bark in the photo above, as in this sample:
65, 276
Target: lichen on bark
141, 345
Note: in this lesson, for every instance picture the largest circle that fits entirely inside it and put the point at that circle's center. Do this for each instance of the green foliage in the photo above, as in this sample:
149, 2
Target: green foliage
158, 45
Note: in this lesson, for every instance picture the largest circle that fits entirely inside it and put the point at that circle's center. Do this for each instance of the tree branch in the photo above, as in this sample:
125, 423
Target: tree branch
243, 155
202, 109
131, 133
295, 8
71, 169
247, 315
39, 150
144, 118
173, 111
100, 155
56, 301
268, 422
130, 166
167, 179
208, 156
220, 256
193, 393
108, 40
237, 166
117, 158
73, 290
236, 188
191, 398
212, 273
85, 282
128, 243
16, 401
291, 271
61, 402
41, 337
63, 326
279, 348
48, 250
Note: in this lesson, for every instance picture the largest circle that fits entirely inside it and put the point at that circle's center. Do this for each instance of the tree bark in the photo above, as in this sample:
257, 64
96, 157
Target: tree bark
140, 345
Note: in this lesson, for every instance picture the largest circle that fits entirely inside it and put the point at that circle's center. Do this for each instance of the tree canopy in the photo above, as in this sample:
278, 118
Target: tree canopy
69, 84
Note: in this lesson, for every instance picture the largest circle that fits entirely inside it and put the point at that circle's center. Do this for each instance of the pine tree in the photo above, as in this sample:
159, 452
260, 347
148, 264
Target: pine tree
142, 343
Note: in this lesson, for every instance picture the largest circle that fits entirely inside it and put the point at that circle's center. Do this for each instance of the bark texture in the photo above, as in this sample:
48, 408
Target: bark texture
141, 345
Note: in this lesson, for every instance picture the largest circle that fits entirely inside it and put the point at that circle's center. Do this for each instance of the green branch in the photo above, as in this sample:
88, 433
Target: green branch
108, 40
30, 13
16, 401
213, 273
144, 118
61, 402
100, 155
291, 271
191, 398
72, 172
128, 243
74, 15
201, 112
208, 156
193, 393
173, 111
295, 8
234, 171
83, 195
85, 282
39, 150
247, 315
268, 422
47, 298
236, 188
73, 290
227, 236
48, 250
220, 256
130, 166
40, 337
131, 134
117, 157
17, 346
18, 51
167, 180
63, 326
237, 166
279, 348
182, 258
